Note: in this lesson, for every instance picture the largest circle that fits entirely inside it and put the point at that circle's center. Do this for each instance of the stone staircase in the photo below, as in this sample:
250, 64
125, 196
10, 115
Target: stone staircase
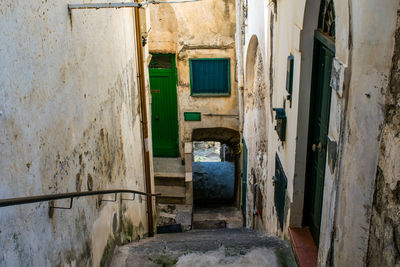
173, 181
171, 186
220, 247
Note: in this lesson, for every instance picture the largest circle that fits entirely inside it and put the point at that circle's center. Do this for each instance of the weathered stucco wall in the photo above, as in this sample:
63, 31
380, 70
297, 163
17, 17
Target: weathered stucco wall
372, 30
255, 132
69, 120
384, 236
364, 45
204, 29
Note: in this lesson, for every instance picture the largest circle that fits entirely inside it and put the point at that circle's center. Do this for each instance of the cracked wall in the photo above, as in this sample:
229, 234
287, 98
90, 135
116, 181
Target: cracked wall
69, 121
384, 239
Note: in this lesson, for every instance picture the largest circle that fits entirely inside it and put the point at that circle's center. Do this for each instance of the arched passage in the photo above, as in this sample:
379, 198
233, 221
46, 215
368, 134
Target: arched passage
219, 134
216, 178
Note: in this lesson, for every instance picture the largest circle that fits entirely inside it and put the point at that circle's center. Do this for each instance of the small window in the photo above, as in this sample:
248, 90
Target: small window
161, 62
210, 77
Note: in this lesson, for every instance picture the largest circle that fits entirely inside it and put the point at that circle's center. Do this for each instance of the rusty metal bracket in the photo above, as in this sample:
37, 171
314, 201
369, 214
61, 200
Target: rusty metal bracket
63, 208
130, 199
52, 208
109, 200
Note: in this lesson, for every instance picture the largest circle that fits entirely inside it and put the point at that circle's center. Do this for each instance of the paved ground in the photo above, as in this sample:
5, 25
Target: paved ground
221, 247
231, 215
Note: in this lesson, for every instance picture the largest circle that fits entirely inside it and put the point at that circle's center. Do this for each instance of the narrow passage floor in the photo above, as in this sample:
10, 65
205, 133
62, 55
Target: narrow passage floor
217, 217
219, 247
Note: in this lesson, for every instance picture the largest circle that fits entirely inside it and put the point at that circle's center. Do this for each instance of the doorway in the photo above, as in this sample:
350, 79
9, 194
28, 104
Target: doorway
214, 186
164, 105
324, 52
213, 174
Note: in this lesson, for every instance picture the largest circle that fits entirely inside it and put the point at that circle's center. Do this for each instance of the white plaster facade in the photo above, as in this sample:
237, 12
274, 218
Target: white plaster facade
364, 49
69, 121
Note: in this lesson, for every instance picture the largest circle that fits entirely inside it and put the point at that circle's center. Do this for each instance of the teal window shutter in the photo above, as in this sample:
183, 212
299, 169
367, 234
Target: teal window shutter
210, 76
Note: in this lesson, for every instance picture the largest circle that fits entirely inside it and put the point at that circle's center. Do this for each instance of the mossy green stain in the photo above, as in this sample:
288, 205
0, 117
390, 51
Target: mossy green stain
108, 251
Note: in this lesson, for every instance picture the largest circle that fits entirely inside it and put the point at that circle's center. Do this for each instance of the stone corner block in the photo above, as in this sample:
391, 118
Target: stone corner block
188, 148
188, 177
188, 162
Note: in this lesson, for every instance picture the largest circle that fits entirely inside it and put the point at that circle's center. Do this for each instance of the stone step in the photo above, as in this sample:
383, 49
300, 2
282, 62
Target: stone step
171, 200
169, 181
169, 175
209, 224
168, 165
243, 246
171, 191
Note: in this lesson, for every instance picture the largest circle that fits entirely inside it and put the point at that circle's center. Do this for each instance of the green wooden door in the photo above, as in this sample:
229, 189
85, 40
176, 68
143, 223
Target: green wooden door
164, 106
318, 131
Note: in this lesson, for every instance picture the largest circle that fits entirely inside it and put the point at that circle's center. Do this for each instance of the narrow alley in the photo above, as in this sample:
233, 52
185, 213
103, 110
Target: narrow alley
200, 133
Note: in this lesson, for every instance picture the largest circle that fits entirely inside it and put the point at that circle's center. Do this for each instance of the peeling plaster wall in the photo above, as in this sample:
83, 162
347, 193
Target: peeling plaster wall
372, 30
203, 29
275, 28
384, 239
364, 45
256, 117
69, 121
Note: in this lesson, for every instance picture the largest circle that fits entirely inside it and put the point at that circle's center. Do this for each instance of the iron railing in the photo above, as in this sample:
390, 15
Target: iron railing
42, 198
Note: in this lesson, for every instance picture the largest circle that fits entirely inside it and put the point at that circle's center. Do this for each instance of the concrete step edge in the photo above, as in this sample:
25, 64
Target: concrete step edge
169, 175
171, 191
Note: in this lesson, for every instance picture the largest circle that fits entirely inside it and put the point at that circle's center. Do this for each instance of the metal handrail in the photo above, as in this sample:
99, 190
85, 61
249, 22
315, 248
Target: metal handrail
34, 199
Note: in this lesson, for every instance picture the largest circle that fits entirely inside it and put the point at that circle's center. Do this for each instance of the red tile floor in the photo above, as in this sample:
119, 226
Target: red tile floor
304, 247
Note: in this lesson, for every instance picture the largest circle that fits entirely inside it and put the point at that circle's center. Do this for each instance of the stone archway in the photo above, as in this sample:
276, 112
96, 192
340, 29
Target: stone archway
228, 137
219, 134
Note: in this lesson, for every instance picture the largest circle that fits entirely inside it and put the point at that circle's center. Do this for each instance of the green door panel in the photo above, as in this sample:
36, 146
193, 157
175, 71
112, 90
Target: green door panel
164, 105
318, 132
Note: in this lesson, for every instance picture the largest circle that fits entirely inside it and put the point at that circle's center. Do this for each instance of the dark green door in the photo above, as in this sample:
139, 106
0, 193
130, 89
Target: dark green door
164, 108
318, 131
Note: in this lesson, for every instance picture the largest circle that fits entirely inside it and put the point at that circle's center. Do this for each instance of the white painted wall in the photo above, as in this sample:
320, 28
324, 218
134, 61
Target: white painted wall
364, 46
373, 25
69, 121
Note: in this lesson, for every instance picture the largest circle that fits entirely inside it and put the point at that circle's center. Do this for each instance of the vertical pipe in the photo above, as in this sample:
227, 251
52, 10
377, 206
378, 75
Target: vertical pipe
145, 129
240, 28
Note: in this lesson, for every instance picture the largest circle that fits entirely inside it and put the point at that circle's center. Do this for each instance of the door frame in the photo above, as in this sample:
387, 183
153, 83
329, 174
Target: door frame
320, 39
174, 73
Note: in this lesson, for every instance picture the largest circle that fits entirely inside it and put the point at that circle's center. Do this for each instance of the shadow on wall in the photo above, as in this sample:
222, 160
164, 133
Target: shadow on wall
213, 182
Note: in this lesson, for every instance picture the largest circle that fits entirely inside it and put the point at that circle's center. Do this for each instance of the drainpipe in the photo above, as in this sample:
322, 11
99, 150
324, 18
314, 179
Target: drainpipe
239, 56
145, 130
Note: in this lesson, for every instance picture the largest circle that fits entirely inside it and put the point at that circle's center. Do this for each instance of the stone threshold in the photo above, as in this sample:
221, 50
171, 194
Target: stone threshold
304, 247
